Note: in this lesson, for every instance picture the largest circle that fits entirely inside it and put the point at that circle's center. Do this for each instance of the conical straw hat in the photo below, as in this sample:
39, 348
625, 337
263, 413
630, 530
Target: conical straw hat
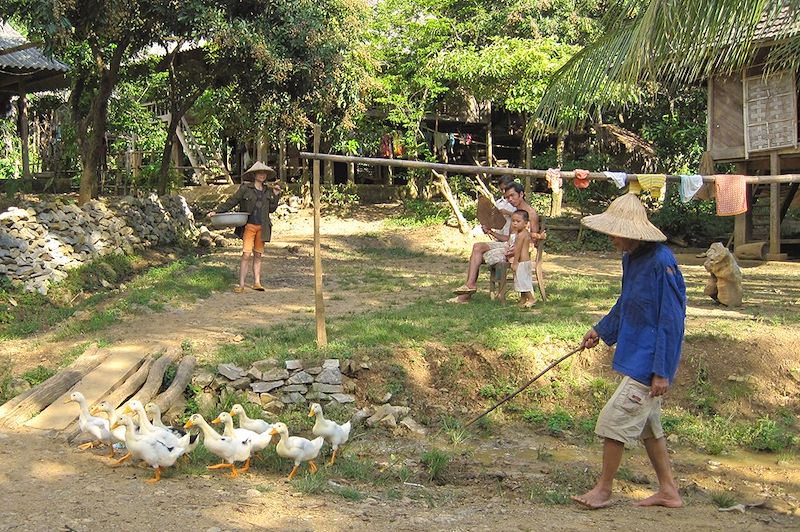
625, 217
261, 167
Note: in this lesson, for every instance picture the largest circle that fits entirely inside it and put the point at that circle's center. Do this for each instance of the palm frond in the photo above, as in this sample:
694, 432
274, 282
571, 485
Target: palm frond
670, 42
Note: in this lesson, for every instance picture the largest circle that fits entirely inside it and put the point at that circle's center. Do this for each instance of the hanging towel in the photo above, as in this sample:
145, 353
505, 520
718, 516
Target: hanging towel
690, 184
553, 177
581, 178
618, 178
653, 183
731, 191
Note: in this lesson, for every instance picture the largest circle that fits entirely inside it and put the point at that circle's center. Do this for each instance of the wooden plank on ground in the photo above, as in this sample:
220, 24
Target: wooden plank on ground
123, 361
18, 411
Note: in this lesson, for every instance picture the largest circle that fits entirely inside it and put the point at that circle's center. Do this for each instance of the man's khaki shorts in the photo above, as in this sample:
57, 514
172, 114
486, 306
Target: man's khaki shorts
631, 414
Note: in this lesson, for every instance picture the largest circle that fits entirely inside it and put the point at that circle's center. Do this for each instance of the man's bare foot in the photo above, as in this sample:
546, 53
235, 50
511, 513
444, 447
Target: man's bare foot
594, 499
662, 498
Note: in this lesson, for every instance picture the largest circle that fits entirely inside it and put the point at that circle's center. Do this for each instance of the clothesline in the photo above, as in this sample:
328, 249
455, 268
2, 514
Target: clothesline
521, 172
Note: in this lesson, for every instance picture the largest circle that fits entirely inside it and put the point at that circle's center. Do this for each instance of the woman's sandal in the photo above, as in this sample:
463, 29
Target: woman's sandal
258, 287
238, 289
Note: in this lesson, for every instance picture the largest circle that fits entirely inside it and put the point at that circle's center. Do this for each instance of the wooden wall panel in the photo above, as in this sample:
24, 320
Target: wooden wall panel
726, 118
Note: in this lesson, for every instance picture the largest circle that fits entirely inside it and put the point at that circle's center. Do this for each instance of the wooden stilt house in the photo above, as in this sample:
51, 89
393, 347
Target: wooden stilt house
753, 124
24, 70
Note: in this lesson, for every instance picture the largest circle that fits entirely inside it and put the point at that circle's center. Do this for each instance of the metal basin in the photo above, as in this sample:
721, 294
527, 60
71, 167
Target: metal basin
229, 219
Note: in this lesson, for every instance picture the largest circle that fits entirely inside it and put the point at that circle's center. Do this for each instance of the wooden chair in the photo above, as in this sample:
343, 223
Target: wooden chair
501, 273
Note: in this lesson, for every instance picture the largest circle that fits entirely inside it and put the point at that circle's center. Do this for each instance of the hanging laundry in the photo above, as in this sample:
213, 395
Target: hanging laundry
581, 178
690, 184
619, 178
451, 143
553, 177
468, 139
731, 191
656, 184
386, 146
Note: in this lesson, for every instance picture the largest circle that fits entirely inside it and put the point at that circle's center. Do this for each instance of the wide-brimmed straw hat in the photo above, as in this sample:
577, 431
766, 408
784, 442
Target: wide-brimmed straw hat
261, 167
626, 217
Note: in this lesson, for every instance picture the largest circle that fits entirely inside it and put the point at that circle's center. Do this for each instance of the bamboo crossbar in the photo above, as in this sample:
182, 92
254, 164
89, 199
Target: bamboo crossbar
522, 172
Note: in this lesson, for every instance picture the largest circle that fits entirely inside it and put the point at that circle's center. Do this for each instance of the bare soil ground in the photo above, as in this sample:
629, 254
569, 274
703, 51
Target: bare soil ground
48, 485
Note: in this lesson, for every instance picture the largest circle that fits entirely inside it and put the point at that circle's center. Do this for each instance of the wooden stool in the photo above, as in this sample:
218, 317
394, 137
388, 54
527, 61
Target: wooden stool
501, 273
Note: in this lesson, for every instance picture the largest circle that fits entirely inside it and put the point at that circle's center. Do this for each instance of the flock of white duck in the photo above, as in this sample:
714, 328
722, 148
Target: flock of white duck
159, 446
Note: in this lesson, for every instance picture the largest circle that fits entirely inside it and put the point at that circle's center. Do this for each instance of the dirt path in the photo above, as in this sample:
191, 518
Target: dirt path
48, 485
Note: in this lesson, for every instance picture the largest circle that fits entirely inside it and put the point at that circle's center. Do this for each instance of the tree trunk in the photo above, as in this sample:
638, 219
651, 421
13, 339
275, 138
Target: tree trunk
446, 191
178, 385
166, 153
91, 126
156, 375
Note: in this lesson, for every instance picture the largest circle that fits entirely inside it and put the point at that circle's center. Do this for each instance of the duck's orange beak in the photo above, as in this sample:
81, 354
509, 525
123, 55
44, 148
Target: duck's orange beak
128, 410
216, 420
188, 424
274, 432
232, 413
311, 413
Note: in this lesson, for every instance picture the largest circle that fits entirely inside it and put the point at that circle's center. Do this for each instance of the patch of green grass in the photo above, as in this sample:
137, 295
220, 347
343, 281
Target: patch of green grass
723, 499
354, 469
563, 482
436, 462
311, 483
716, 434
348, 493
265, 488
38, 375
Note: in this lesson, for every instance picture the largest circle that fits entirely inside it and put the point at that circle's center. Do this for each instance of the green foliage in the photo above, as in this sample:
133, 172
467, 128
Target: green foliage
340, 197
696, 221
420, 213
437, 462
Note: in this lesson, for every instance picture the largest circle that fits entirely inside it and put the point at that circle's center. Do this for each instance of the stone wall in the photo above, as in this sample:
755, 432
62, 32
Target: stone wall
275, 385
41, 240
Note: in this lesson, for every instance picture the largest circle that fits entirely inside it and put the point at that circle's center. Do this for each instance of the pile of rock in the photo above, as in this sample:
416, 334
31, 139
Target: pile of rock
276, 385
40, 241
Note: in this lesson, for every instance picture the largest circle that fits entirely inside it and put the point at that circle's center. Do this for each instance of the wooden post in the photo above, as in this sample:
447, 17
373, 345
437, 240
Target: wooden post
23, 131
328, 173
282, 156
775, 211
557, 198
351, 173
742, 226
489, 141
319, 302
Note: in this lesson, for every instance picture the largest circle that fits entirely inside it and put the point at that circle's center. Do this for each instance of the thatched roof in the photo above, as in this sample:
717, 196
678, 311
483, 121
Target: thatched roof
20, 61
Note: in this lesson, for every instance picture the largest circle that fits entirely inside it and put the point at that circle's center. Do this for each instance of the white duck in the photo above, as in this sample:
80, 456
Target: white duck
231, 450
146, 427
256, 425
296, 448
259, 442
118, 433
333, 433
155, 411
95, 426
151, 448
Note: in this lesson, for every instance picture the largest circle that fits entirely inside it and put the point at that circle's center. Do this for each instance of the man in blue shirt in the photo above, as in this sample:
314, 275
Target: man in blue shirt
646, 324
